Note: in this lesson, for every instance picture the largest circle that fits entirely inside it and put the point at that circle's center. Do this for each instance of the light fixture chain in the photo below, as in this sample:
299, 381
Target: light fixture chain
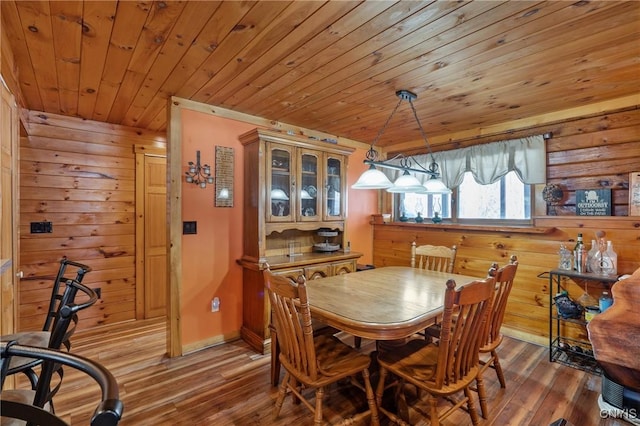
381, 131
424, 134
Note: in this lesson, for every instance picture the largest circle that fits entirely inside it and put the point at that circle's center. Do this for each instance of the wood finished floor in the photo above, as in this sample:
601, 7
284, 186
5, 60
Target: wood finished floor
229, 385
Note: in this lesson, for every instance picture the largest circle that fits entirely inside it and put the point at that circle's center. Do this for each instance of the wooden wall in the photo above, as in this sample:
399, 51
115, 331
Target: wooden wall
594, 152
79, 175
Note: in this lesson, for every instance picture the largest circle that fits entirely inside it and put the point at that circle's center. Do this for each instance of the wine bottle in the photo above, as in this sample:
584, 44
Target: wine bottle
579, 255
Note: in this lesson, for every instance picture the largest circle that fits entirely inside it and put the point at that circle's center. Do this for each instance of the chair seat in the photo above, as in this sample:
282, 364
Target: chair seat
337, 357
22, 396
39, 339
417, 361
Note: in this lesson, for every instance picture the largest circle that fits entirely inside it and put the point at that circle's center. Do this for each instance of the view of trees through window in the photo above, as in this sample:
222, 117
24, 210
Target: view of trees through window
506, 199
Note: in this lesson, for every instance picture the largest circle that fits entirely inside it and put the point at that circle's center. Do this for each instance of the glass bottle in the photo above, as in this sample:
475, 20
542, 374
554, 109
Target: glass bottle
605, 301
577, 254
613, 259
565, 261
580, 256
590, 256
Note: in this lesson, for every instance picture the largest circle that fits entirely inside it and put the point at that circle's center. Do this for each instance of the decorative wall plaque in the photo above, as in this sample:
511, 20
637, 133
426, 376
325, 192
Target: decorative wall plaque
634, 194
593, 202
224, 177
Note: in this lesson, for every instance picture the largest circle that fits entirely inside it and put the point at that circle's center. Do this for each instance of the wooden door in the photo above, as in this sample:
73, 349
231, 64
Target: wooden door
8, 214
151, 235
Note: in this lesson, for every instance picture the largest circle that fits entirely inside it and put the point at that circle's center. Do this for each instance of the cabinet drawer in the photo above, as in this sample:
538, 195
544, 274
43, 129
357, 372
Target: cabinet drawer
345, 267
292, 274
318, 271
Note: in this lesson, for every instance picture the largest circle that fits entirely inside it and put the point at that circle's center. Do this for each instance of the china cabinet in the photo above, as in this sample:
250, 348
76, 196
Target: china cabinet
294, 218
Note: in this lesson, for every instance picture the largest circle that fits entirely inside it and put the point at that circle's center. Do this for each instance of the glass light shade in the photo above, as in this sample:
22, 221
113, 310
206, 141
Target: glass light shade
436, 186
372, 179
279, 194
407, 183
304, 195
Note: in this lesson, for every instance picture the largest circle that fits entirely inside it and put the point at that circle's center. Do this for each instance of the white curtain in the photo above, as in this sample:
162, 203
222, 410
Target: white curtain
487, 162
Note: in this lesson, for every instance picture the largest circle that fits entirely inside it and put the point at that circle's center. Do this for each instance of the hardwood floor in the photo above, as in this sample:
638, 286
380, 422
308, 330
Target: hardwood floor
229, 385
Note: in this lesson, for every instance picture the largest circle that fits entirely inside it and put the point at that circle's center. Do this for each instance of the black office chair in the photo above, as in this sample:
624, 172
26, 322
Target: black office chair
61, 294
107, 413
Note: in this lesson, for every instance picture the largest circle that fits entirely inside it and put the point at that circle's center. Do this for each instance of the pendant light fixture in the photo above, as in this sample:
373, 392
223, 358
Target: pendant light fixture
407, 182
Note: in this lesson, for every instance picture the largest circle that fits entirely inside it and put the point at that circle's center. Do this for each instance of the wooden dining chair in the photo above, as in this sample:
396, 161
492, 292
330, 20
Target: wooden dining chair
451, 366
312, 362
493, 337
433, 258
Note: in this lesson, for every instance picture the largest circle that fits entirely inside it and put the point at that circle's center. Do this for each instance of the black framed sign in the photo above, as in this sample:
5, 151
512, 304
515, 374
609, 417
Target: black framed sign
593, 202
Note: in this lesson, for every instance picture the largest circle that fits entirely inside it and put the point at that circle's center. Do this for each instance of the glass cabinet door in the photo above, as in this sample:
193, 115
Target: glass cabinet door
334, 205
309, 182
280, 200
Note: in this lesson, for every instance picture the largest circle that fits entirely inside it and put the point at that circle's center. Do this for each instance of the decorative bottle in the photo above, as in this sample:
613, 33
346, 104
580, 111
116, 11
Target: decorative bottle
613, 259
591, 256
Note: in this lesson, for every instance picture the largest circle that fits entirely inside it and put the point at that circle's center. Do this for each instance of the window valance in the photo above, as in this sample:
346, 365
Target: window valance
488, 162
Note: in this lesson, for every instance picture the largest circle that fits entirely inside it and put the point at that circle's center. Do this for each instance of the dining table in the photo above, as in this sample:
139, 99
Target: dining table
387, 303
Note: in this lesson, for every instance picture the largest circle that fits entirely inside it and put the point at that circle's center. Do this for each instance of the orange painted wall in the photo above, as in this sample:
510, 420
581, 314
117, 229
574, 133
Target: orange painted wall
209, 266
361, 204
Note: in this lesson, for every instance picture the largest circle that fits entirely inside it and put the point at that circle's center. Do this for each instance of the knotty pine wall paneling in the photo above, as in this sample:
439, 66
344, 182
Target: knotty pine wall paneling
79, 175
588, 153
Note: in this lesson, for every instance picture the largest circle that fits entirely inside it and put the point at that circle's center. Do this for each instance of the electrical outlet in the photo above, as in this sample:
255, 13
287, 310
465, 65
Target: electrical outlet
215, 304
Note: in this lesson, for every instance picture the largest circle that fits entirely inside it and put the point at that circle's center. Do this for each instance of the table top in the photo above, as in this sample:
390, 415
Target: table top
386, 303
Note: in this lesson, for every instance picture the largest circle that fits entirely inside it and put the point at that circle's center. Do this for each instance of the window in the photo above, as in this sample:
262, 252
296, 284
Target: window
426, 204
508, 199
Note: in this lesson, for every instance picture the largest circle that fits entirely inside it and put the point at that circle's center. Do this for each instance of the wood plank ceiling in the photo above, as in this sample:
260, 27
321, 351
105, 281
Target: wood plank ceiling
328, 66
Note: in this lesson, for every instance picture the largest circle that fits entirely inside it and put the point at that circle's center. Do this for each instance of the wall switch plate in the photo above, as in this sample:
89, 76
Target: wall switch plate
189, 227
41, 227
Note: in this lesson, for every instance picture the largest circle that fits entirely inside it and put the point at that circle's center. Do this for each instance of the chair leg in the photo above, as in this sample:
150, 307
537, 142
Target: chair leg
498, 367
282, 393
319, 396
275, 359
380, 389
371, 398
482, 395
433, 410
470, 407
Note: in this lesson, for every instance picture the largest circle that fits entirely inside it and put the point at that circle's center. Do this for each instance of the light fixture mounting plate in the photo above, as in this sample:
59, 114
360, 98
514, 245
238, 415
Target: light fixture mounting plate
406, 95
